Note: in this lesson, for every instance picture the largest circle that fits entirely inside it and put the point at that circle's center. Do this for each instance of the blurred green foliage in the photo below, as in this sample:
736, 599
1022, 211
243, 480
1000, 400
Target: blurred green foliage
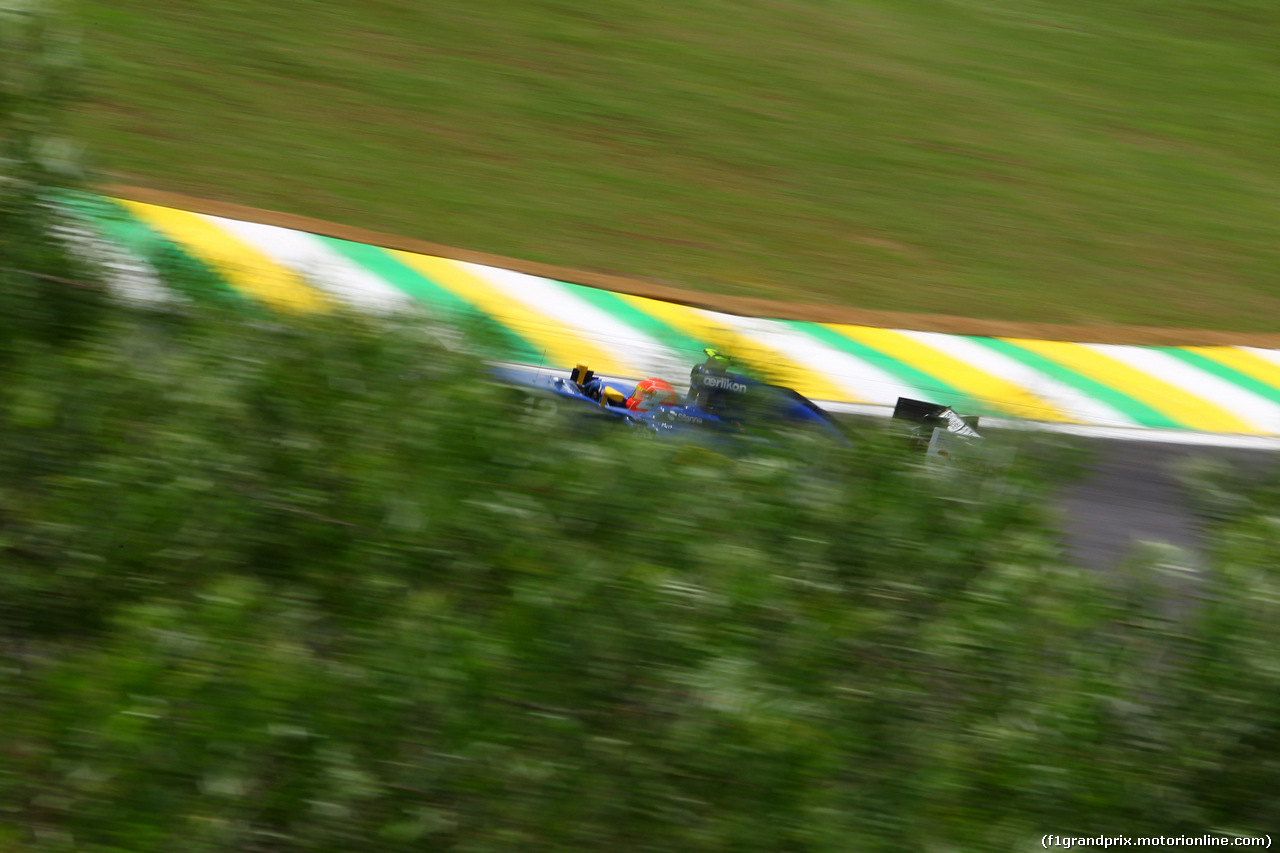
316, 585
38, 77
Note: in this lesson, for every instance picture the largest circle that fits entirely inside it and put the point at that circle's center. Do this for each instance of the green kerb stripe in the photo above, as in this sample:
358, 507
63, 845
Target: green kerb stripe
1222, 371
923, 383
173, 263
1126, 405
637, 319
384, 265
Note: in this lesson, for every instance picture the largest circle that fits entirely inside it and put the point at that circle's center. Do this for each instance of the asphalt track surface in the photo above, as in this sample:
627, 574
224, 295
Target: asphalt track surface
1131, 492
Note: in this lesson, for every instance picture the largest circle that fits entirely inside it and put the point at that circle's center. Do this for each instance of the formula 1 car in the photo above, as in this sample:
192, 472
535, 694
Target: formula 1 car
725, 405
719, 404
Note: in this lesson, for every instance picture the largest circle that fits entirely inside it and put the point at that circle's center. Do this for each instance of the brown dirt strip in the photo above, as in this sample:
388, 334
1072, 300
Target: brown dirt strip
742, 306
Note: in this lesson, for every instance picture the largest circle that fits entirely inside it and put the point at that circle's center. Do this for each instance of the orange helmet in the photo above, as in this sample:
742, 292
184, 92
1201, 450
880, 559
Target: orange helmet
650, 393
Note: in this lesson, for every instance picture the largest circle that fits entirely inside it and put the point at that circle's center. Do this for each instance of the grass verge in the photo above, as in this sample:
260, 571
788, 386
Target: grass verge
1103, 162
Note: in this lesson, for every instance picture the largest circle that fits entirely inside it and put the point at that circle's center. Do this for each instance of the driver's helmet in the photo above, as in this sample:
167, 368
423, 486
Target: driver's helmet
650, 393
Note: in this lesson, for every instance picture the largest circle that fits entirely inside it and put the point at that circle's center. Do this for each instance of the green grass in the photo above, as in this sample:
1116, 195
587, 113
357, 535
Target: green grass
1070, 161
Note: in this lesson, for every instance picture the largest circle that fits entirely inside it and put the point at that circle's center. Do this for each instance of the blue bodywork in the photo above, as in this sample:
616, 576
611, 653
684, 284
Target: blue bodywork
719, 404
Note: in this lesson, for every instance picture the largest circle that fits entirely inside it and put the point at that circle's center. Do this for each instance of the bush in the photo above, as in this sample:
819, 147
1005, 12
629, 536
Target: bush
38, 77
312, 584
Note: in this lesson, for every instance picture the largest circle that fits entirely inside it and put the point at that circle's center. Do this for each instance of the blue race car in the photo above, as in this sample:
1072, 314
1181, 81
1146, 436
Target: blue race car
718, 403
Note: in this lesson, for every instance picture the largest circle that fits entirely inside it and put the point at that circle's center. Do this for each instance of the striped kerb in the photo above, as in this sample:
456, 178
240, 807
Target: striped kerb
439, 301
915, 383
242, 266
650, 325
1210, 389
1178, 406
530, 324
116, 223
1235, 366
696, 324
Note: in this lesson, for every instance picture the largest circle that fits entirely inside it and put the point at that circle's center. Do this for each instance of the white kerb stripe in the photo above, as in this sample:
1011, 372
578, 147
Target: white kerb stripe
126, 274
318, 264
630, 347
864, 381
1078, 405
1271, 355
1244, 404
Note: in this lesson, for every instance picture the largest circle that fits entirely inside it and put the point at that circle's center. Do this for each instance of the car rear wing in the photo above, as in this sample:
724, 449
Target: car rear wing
934, 415
940, 431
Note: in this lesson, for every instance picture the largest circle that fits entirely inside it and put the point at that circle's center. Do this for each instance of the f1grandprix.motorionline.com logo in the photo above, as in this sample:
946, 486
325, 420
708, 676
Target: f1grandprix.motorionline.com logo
1068, 841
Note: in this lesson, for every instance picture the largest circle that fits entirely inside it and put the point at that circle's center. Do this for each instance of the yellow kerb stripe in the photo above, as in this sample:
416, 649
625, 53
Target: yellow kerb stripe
564, 346
980, 386
695, 324
1243, 361
1179, 406
244, 267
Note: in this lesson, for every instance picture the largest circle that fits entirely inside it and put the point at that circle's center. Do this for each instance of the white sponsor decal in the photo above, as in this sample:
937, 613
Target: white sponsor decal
957, 425
723, 382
